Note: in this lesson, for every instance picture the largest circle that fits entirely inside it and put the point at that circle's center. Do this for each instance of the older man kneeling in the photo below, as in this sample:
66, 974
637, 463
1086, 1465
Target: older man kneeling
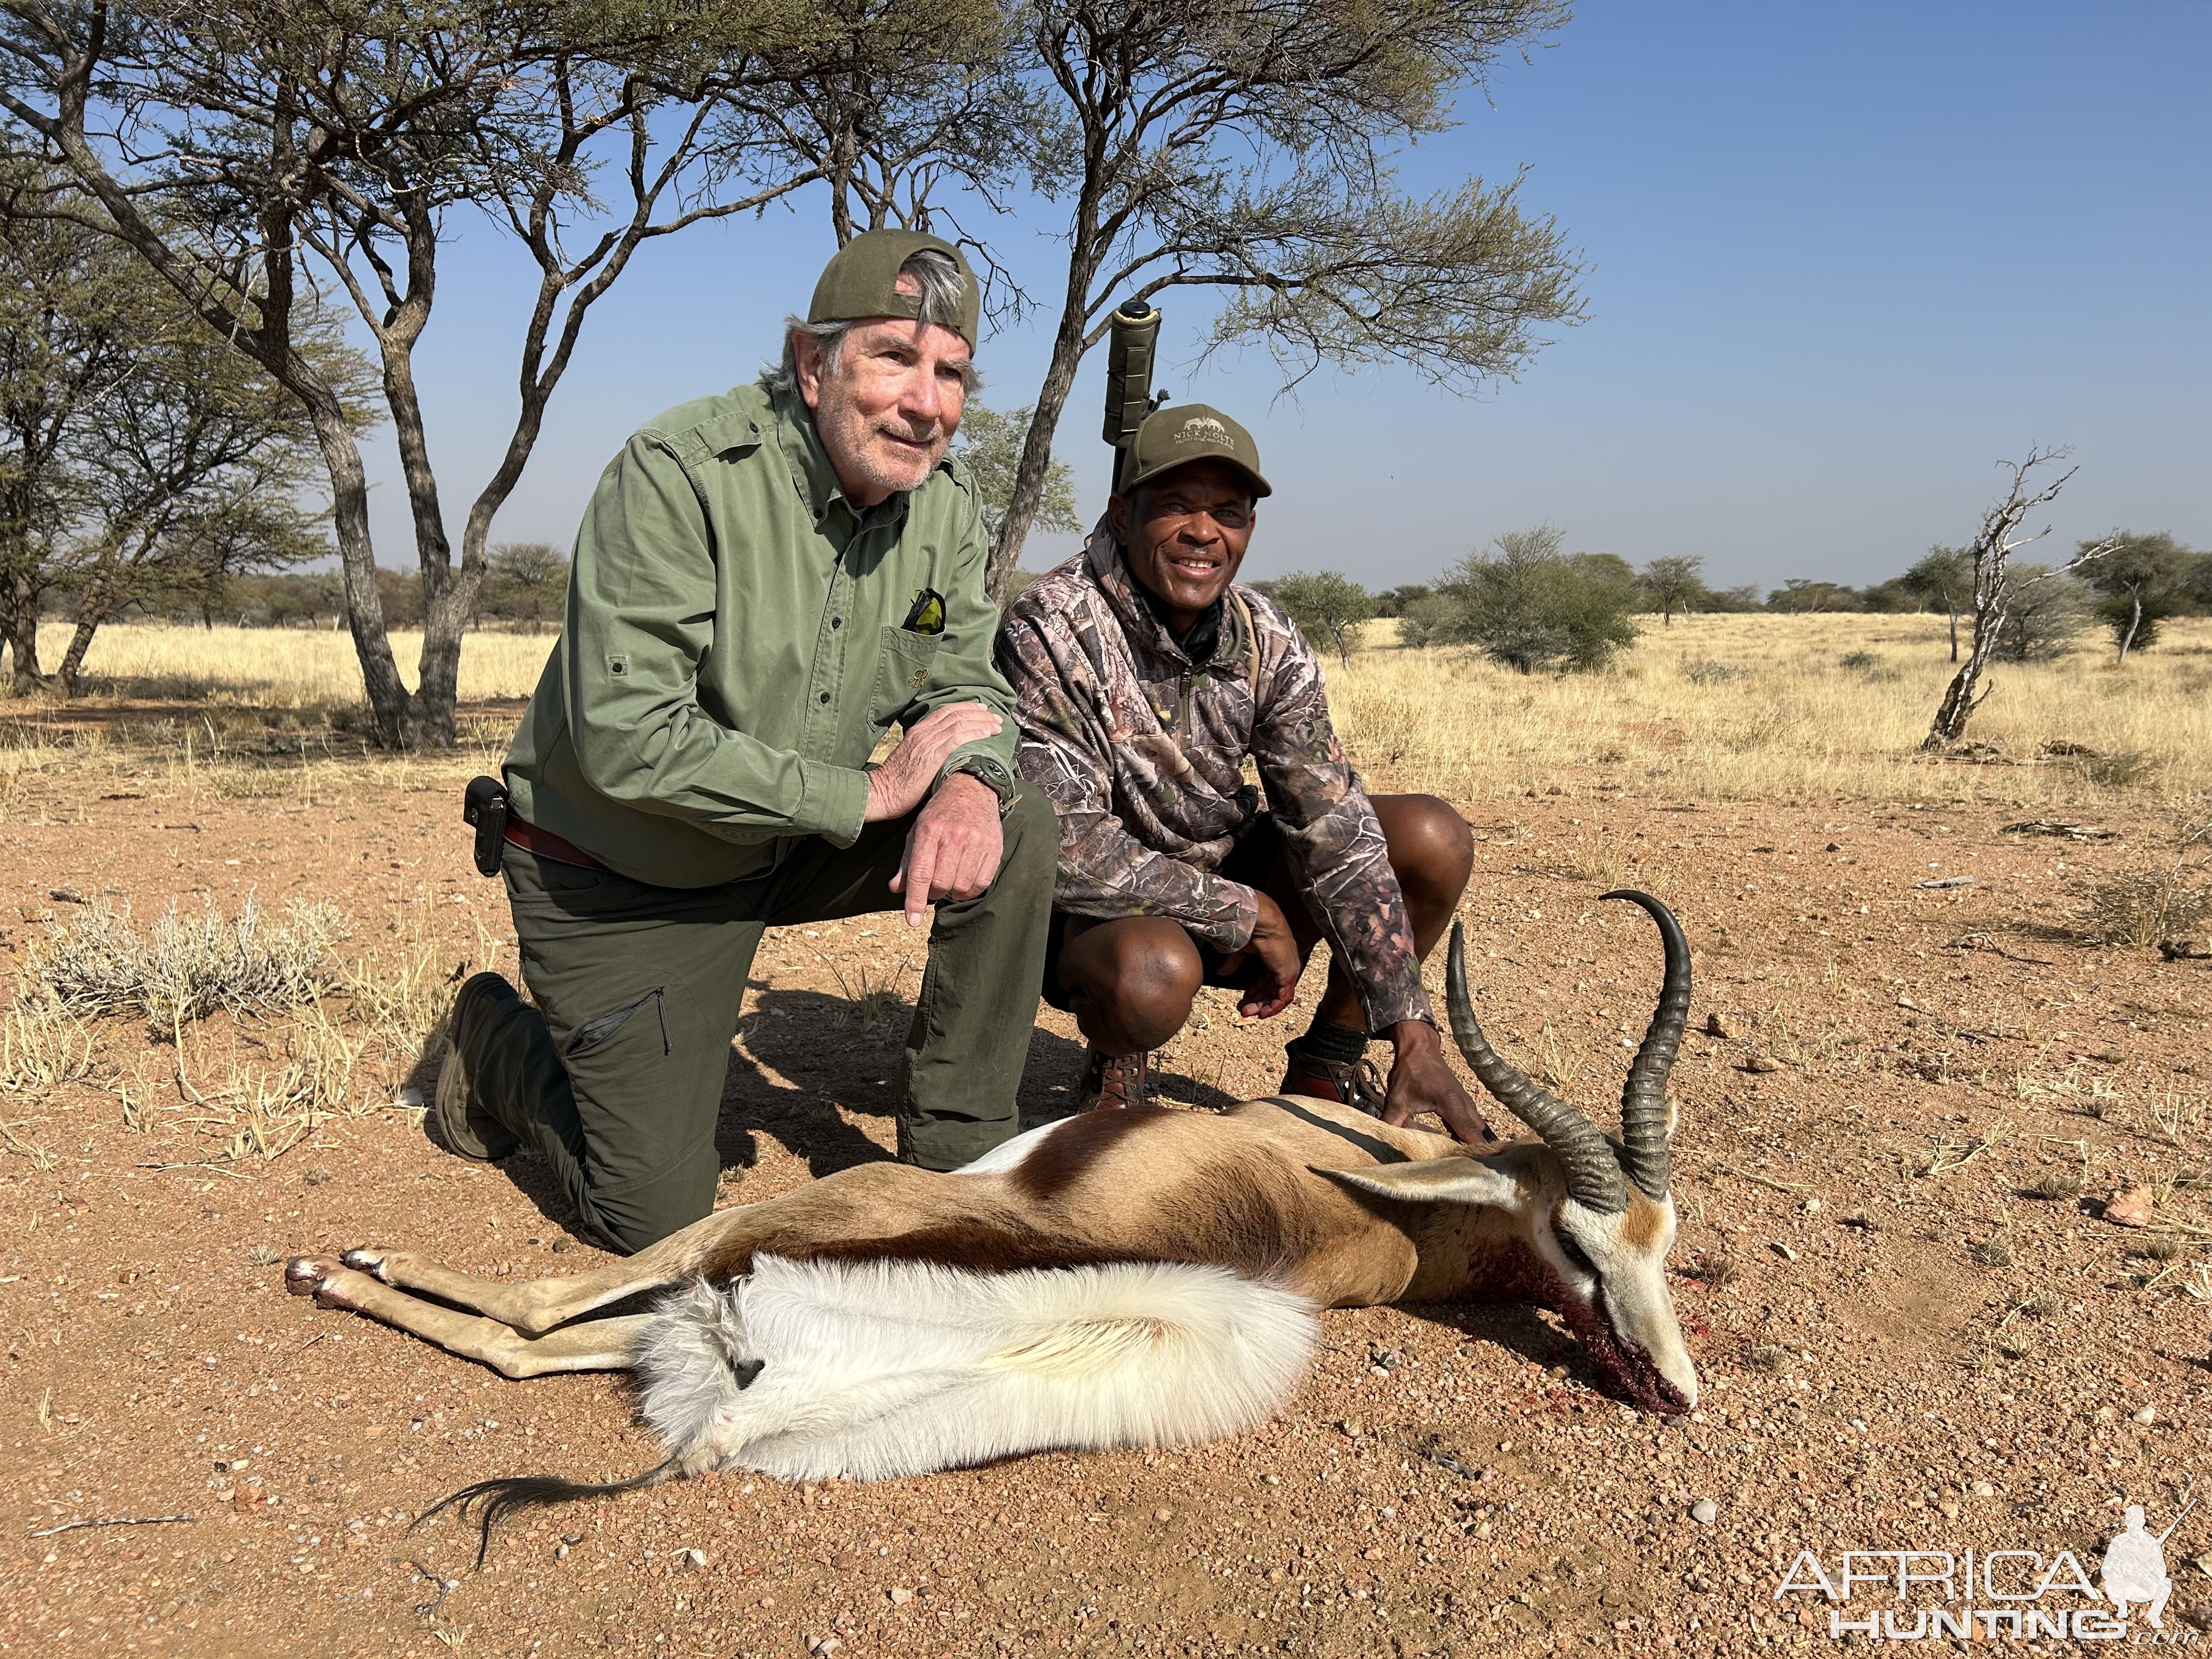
764, 584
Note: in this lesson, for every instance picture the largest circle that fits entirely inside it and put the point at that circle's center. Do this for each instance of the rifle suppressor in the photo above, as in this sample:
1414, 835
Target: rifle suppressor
1135, 332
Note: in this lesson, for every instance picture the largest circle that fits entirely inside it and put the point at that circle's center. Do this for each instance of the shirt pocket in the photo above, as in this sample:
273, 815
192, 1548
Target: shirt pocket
902, 668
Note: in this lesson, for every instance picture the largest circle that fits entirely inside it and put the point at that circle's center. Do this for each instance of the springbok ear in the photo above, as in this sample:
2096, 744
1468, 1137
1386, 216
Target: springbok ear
1430, 1181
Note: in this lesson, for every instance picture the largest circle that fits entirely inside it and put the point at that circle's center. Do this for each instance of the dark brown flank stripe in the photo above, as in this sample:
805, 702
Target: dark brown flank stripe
1075, 1148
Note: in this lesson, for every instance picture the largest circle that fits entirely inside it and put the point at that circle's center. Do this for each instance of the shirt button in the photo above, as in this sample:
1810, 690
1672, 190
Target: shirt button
836, 621
825, 697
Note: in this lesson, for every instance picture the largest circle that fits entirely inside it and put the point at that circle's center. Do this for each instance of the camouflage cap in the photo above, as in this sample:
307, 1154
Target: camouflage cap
1170, 438
862, 280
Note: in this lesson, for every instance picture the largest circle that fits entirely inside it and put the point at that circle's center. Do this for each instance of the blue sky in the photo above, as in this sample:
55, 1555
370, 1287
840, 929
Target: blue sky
1842, 259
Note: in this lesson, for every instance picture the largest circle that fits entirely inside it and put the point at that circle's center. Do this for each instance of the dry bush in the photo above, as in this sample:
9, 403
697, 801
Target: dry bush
1703, 670
42, 1046
396, 998
2119, 771
2143, 907
185, 967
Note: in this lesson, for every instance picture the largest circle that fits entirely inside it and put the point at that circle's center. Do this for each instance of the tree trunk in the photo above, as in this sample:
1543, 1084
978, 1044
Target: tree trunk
1966, 691
1953, 614
1036, 467
92, 611
389, 703
19, 630
2134, 623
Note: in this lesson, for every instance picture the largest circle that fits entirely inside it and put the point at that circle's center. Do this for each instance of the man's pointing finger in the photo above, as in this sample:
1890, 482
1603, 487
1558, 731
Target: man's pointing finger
921, 863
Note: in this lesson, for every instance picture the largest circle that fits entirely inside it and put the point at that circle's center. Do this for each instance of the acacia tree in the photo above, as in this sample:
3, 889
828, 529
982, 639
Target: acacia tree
1527, 605
131, 436
71, 329
1943, 579
526, 582
1328, 603
249, 155
991, 444
2142, 579
1672, 583
1998, 589
197, 467
892, 104
1244, 146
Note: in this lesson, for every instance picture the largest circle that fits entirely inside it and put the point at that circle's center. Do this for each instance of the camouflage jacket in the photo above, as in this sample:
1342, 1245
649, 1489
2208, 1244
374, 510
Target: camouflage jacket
1142, 750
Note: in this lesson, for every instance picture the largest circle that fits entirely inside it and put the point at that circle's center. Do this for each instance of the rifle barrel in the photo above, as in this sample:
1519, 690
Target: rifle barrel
2168, 1532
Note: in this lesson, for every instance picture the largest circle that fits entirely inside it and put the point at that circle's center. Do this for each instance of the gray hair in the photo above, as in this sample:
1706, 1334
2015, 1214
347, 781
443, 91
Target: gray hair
942, 300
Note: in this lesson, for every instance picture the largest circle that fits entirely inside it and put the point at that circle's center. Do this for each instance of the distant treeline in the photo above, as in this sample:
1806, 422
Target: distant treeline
524, 589
1526, 602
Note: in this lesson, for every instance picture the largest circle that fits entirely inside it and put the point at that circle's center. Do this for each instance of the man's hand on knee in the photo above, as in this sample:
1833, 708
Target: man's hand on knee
1421, 1080
953, 850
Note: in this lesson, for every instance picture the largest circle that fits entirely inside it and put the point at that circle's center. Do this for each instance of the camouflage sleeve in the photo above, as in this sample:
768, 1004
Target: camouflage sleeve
1331, 837
1067, 750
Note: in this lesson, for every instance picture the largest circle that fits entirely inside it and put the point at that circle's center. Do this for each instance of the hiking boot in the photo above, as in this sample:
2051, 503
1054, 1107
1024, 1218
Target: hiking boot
464, 1126
1347, 1082
1113, 1083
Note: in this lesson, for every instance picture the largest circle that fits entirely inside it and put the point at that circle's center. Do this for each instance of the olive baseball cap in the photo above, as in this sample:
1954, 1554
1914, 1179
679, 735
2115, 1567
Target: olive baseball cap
862, 280
1170, 438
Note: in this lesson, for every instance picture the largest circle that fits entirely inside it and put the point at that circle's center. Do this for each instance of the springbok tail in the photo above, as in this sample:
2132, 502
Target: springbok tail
495, 1500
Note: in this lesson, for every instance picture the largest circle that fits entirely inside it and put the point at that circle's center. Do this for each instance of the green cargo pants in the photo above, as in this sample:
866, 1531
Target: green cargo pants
615, 1076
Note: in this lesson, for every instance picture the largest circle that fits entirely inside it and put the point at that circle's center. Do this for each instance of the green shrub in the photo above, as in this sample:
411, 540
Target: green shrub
1529, 606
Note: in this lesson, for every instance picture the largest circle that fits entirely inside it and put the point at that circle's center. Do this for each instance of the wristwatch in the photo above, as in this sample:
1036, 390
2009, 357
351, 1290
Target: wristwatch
992, 773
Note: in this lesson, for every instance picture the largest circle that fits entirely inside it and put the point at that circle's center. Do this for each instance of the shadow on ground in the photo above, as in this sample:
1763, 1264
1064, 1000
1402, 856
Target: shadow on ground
806, 1064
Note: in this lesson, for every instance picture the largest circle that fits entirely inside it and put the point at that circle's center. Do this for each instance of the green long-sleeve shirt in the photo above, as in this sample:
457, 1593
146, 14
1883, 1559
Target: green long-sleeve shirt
733, 648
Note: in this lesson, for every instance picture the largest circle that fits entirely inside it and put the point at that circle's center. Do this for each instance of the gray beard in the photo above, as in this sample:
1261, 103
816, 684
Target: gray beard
859, 462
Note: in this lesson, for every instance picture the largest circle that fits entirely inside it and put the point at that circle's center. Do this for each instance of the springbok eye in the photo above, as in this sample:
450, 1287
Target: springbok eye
1574, 1251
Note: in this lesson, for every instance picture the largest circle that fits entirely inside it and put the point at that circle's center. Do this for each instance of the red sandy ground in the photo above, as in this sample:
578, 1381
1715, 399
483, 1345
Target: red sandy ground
1448, 1482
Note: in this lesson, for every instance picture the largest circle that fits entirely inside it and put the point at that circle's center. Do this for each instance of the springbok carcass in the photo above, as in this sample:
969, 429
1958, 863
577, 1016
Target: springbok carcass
1147, 1276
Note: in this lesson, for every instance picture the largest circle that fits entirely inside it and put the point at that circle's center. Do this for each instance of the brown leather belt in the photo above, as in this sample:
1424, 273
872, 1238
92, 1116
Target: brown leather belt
547, 845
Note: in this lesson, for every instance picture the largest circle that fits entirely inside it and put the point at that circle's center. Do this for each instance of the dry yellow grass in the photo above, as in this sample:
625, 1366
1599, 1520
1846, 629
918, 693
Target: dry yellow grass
1763, 707
290, 667
1731, 707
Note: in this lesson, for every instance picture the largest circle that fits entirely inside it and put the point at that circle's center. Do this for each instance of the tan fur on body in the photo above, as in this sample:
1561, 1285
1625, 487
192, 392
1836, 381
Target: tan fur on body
1235, 1191
1129, 1277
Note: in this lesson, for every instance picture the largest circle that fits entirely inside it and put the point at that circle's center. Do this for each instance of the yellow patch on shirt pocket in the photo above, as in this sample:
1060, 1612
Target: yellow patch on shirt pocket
901, 670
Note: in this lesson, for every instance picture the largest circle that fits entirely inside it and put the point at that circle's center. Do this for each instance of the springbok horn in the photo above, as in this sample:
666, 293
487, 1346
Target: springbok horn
1643, 1111
1592, 1175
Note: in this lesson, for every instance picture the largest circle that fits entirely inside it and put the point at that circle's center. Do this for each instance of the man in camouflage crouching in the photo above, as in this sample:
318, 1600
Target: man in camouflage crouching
1142, 682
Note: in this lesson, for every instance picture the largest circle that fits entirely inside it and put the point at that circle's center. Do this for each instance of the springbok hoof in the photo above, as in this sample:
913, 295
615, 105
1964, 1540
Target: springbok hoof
304, 1274
369, 1259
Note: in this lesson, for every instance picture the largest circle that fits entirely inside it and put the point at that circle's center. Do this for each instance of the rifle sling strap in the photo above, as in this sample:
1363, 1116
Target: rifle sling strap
1243, 609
